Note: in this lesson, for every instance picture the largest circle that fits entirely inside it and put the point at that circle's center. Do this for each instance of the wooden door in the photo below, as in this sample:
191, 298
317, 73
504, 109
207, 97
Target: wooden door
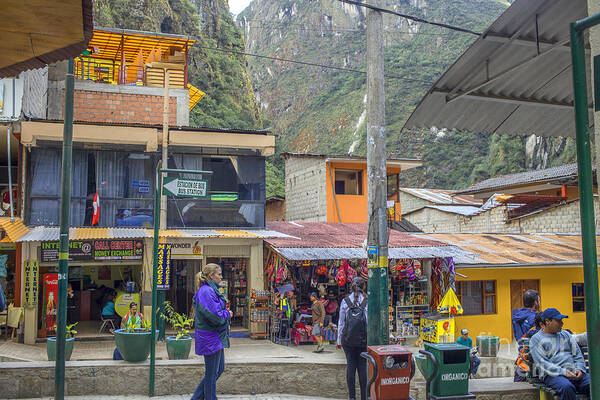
518, 287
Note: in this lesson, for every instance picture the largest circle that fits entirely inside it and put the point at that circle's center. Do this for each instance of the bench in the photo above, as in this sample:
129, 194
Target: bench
546, 392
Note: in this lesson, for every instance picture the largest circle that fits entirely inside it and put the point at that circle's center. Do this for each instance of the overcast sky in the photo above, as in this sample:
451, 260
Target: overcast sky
236, 6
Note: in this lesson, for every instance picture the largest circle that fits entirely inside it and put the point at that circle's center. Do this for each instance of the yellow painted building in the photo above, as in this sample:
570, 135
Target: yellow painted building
490, 283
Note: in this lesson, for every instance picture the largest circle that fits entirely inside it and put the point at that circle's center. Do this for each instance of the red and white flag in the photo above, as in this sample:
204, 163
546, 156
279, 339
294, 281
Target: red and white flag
96, 205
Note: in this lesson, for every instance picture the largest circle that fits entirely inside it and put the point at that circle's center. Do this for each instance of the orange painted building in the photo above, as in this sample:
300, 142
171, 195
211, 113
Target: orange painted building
322, 188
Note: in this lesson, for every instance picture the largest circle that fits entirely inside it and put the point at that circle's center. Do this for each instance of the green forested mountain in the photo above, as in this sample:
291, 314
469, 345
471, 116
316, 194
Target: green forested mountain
229, 102
322, 110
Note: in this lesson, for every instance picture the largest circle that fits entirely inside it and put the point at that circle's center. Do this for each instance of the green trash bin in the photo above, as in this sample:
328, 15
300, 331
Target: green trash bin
488, 346
452, 377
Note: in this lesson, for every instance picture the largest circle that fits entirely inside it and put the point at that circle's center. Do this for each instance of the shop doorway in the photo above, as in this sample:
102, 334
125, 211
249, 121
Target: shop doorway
90, 287
183, 285
235, 287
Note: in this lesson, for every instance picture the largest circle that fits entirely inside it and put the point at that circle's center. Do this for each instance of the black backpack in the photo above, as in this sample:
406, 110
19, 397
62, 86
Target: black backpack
355, 324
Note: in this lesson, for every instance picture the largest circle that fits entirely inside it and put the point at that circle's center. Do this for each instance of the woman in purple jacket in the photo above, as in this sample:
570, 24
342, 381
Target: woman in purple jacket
211, 320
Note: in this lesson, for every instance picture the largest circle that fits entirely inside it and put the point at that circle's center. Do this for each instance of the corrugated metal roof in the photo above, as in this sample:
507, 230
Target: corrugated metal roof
336, 235
46, 233
501, 84
438, 196
561, 172
514, 249
461, 210
14, 230
37, 30
339, 253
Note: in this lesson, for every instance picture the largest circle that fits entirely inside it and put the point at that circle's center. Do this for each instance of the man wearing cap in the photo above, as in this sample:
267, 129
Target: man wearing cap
465, 340
558, 358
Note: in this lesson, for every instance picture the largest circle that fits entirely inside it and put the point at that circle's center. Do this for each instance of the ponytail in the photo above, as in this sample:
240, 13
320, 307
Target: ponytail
358, 287
204, 276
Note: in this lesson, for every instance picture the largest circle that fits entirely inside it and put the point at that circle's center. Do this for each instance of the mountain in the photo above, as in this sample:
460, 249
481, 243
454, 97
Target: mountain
229, 100
318, 109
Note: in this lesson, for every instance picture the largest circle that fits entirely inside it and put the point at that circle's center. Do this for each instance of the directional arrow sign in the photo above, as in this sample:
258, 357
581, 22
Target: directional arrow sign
184, 187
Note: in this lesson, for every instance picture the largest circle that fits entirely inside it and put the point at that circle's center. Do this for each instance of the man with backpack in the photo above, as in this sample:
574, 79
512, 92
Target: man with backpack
523, 320
352, 337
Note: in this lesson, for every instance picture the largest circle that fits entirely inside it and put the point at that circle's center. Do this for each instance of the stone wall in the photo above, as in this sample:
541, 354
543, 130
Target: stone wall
560, 219
173, 377
410, 203
305, 192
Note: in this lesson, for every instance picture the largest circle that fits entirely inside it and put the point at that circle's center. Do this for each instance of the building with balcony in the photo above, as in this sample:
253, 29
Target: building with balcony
117, 145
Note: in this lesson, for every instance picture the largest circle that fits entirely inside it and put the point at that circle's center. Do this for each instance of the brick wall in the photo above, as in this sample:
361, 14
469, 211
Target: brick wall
560, 219
305, 195
91, 106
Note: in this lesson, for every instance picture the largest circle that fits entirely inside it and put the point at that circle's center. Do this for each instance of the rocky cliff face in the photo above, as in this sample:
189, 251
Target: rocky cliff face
322, 110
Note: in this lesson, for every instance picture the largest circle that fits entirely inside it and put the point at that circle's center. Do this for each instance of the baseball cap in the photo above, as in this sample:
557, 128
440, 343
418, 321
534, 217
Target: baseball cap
552, 313
464, 332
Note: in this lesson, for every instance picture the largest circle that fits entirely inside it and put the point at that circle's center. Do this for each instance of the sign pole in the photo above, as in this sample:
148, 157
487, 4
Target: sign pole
154, 294
63, 252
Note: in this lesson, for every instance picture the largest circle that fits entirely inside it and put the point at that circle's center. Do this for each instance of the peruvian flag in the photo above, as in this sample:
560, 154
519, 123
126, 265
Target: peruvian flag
96, 205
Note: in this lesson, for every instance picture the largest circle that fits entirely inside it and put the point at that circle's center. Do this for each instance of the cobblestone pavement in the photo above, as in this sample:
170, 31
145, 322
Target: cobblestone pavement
187, 397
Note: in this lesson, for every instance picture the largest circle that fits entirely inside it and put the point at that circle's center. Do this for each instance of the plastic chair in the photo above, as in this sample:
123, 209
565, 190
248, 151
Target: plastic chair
105, 323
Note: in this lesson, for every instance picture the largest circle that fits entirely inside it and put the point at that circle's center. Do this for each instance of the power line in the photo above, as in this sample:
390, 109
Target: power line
313, 64
411, 17
281, 27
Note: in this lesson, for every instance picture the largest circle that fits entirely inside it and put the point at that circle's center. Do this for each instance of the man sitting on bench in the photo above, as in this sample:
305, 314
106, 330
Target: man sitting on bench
558, 358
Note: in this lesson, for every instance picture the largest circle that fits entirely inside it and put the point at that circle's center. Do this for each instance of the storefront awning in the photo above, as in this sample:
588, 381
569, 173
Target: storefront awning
49, 233
14, 230
340, 253
39, 32
514, 79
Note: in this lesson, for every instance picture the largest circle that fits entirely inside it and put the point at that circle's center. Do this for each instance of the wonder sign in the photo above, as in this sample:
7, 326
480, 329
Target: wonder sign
184, 187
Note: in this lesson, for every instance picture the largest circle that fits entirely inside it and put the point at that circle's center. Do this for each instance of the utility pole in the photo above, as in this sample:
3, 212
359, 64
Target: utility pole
163, 198
63, 250
377, 238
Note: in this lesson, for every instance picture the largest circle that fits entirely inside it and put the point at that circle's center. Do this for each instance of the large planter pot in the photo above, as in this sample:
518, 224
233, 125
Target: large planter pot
179, 349
133, 346
51, 348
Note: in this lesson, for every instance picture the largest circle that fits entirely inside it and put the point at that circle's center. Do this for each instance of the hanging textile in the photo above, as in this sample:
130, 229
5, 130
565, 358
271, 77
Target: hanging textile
436, 282
448, 276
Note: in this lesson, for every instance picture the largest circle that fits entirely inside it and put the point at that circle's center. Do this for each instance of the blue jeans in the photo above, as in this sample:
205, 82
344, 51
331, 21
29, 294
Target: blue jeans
214, 365
356, 363
568, 389
475, 361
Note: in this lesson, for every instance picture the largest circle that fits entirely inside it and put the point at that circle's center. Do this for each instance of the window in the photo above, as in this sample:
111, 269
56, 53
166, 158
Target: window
578, 297
124, 182
236, 192
477, 297
348, 182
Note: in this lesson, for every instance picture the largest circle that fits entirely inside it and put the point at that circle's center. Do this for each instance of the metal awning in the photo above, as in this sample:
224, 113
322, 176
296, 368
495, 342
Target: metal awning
514, 79
39, 32
14, 229
340, 253
47, 233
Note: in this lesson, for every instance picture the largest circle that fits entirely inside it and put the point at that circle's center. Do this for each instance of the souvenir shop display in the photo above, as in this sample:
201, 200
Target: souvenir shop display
259, 312
416, 287
329, 279
439, 327
234, 285
408, 297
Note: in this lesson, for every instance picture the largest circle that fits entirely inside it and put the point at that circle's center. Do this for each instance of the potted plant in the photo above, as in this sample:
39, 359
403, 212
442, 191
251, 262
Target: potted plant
134, 343
70, 340
178, 346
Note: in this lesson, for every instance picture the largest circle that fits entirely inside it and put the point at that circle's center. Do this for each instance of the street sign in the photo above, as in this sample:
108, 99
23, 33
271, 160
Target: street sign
163, 272
184, 187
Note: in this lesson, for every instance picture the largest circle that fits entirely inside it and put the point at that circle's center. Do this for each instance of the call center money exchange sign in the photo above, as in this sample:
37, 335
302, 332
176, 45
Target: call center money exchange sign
89, 250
